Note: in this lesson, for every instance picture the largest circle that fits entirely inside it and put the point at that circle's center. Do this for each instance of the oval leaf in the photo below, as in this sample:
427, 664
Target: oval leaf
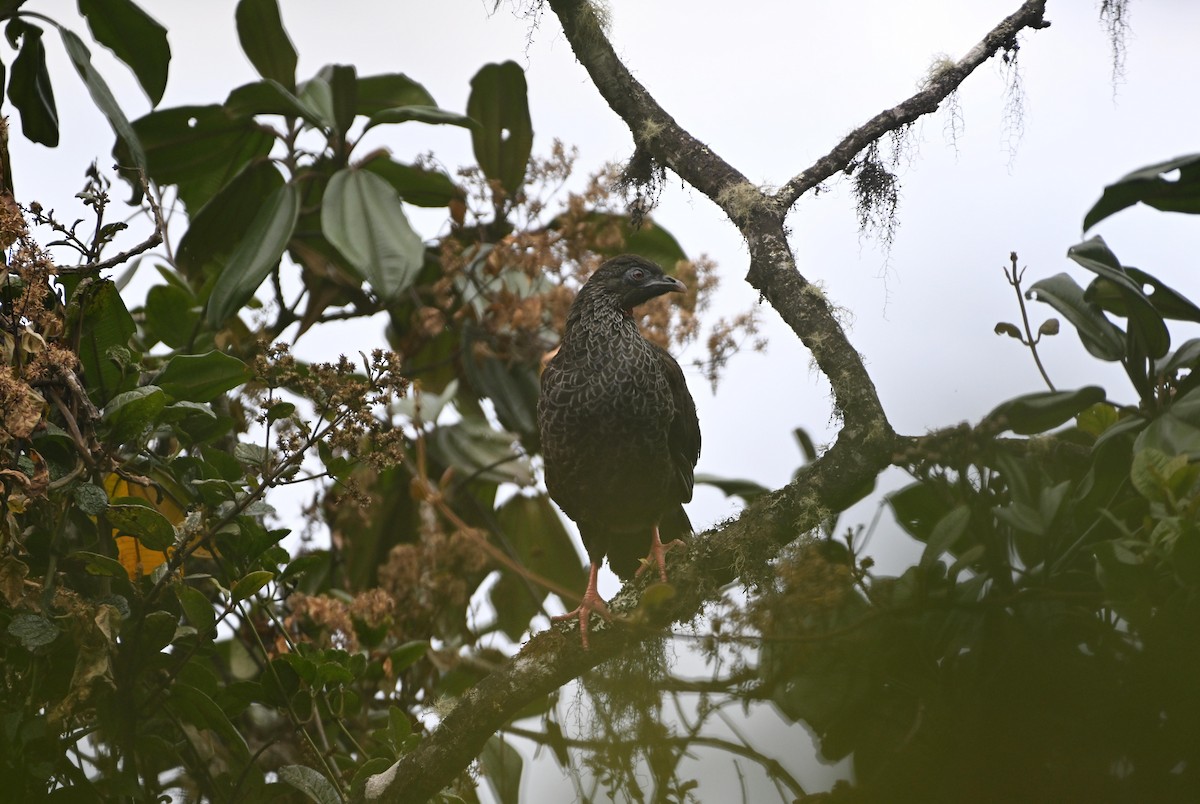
249, 585
29, 88
362, 217
256, 255
422, 114
311, 783
1037, 413
145, 524
265, 42
504, 139
201, 378
1100, 336
135, 38
128, 414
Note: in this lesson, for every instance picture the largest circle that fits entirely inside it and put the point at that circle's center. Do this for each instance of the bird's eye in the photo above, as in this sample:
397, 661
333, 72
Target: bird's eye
637, 274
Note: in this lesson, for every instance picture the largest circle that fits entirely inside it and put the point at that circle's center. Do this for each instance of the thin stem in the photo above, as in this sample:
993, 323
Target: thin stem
1014, 279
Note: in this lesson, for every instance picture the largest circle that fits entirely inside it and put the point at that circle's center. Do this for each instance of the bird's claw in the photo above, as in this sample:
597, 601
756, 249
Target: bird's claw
658, 555
583, 612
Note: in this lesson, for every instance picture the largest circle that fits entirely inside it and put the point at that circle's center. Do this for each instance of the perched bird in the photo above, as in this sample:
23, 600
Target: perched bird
619, 430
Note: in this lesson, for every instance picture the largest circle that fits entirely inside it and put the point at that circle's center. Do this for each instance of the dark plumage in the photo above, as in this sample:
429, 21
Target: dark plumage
619, 429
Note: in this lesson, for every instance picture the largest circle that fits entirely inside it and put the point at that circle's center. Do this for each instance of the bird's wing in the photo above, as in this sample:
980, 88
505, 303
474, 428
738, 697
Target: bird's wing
683, 438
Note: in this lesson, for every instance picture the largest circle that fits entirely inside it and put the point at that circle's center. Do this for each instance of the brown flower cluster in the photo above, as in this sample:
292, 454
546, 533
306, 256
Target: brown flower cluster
432, 581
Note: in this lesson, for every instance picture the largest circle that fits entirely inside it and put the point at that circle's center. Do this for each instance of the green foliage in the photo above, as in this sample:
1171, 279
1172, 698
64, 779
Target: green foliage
1041, 649
158, 632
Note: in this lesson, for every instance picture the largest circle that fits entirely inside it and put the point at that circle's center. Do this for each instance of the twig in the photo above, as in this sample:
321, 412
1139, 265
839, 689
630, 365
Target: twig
1014, 279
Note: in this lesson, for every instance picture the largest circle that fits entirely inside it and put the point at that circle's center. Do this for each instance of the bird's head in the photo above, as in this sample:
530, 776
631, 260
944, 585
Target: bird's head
631, 280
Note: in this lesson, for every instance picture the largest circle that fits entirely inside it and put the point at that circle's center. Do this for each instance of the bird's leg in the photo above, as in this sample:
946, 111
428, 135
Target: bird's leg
658, 554
591, 602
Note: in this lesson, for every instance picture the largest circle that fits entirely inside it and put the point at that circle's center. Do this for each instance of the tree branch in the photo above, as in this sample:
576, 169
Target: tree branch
865, 446
939, 86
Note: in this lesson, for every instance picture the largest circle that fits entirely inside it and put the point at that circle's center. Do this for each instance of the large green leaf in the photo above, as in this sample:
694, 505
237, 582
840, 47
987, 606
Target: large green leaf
1149, 186
1145, 322
218, 226
135, 38
533, 534
316, 95
128, 414
748, 490
476, 450
1037, 413
1168, 302
1175, 431
104, 327
504, 139
1100, 336
311, 783
343, 82
422, 114
269, 97
29, 86
265, 42
256, 255
102, 96
171, 316
389, 90
502, 767
362, 217
418, 186
200, 378
198, 148
144, 523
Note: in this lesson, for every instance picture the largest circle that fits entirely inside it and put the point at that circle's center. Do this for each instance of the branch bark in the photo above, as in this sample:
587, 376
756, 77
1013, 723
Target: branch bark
865, 445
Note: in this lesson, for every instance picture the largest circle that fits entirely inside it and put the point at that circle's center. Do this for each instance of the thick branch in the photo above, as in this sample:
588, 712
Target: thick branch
937, 89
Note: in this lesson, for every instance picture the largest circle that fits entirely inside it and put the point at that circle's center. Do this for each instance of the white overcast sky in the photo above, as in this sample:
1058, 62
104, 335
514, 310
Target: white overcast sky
771, 86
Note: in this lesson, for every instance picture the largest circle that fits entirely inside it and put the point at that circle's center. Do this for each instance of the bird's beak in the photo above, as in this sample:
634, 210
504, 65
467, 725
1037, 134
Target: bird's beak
670, 284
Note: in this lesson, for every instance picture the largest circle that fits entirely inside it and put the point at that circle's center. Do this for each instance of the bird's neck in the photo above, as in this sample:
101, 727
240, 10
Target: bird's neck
600, 311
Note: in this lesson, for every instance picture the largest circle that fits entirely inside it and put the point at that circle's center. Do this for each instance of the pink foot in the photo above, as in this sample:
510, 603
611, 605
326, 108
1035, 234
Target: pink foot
658, 554
591, 602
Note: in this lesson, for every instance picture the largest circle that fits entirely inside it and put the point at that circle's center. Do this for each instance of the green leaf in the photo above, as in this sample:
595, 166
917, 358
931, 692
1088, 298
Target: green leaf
362, 217
33, 630
502, 767
511, 385
265, 42
1168, 302
945, 534
343, 82
316, 95
422, 114
249, 585
417, 186
1037, 413
476, 450
388, 91
1100, 336
1175, 431
256, 255
91, 499
96, 564
218, 226
1187, 356
135, 38
311, 783
1148, 186
201, 378
748, 490
29, 86
198, 608
102, 96
127, 415
200, 149
103, 324
533, 535
1145, 322
270, 98
171, 316
145, 524
504, 139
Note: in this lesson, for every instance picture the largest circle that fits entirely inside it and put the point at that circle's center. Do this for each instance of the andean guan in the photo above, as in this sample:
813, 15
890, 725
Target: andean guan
619, 430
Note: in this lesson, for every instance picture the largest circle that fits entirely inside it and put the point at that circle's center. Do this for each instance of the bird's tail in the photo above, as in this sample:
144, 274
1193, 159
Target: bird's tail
625, 554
